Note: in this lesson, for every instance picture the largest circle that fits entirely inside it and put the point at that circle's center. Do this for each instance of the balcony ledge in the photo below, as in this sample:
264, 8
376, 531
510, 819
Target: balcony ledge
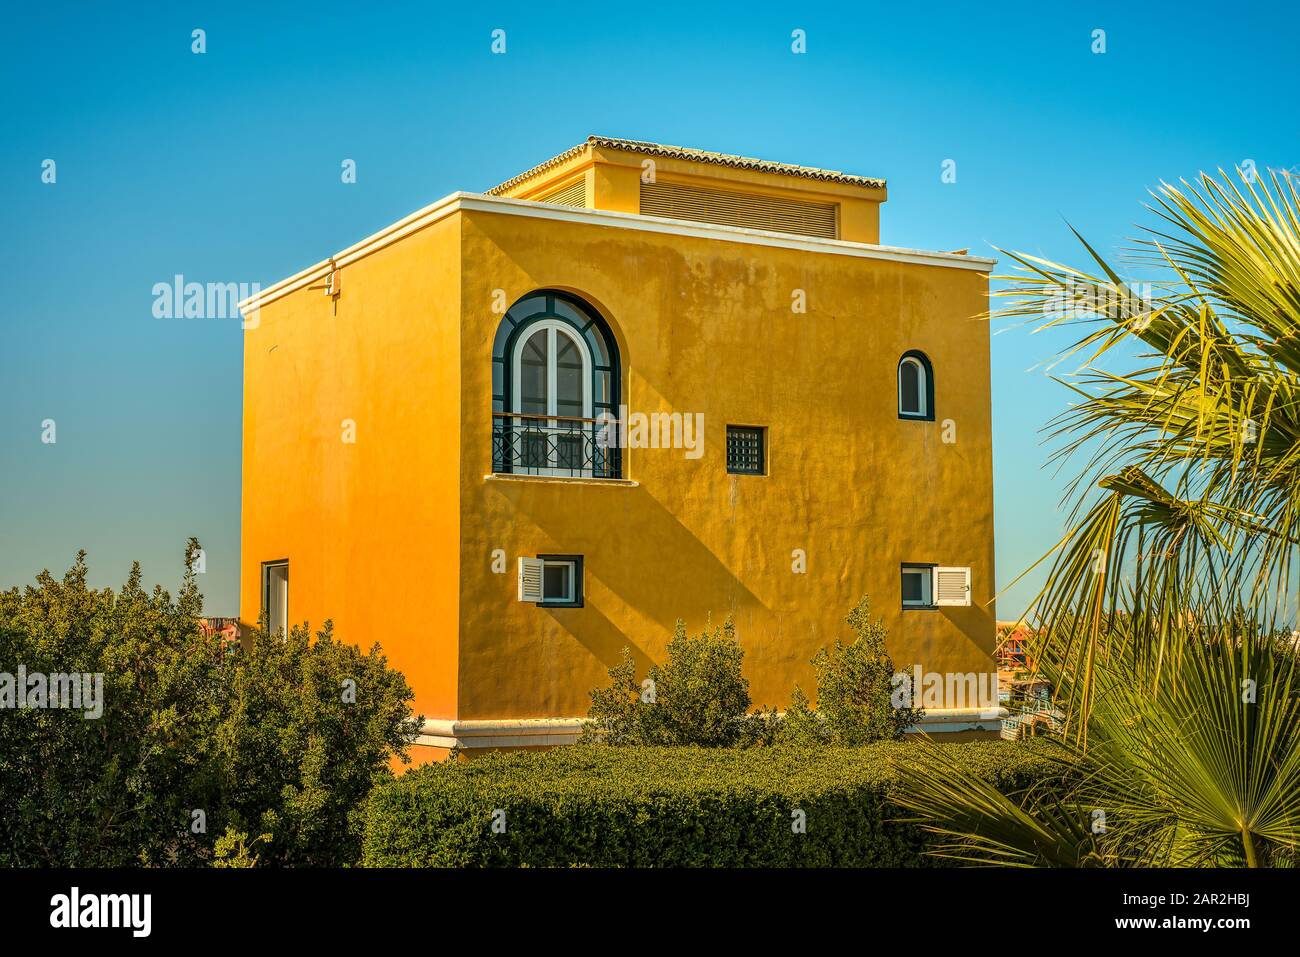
559, 479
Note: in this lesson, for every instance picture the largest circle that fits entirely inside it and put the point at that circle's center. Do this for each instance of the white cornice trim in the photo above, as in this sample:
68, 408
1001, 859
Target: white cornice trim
481, 203
532, 732
740, 234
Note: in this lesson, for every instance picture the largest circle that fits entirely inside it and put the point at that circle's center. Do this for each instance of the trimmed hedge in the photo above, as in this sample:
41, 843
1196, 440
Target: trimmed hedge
603, 806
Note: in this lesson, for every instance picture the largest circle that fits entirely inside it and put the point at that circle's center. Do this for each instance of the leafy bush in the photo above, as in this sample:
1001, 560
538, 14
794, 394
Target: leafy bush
306, 730
856, 700
260, 741
698, 696
674, 807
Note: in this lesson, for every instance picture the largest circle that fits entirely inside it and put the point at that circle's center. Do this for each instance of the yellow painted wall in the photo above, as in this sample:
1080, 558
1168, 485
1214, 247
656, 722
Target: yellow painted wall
392, 537
706, 326
370, 529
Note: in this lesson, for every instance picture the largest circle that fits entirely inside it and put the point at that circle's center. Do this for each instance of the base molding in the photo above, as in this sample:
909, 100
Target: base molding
952, 720
545, 732
517, 733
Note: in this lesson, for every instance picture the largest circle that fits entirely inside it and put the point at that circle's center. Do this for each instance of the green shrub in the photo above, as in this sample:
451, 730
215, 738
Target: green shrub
698, 696
672, 807
307, 728
856, 700
260, 741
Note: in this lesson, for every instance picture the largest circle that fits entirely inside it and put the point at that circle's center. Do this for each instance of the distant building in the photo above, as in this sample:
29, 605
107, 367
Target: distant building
228, 629
1013, 647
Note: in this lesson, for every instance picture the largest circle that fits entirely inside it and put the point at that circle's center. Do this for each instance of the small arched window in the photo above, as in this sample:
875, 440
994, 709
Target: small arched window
915, 387
555, 382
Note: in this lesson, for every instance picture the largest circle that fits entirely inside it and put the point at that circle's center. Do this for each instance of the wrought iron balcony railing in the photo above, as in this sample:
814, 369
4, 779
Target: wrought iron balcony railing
525, 444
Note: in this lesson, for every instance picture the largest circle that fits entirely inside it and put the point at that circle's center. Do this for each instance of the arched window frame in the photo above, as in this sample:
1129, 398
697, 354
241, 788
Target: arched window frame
560, 328
571, 315
922, 363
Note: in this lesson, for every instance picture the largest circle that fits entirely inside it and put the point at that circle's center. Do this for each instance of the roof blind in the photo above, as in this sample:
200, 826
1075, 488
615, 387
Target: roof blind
575, 194
729, 208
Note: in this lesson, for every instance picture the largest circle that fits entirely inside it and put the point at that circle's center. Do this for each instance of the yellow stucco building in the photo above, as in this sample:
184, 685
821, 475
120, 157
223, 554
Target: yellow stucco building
429, 459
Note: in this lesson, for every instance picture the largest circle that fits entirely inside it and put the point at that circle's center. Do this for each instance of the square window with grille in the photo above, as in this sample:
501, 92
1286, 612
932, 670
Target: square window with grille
746, 450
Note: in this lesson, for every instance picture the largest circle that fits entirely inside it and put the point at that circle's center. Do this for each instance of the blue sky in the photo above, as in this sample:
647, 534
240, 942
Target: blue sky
225, 167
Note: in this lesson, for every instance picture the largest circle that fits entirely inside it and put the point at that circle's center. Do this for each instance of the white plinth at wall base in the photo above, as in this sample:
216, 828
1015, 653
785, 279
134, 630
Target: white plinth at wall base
526, 732
523, 732
951, 720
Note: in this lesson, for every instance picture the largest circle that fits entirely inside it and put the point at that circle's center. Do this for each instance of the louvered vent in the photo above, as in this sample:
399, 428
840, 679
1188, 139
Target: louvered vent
575, 194
727, 208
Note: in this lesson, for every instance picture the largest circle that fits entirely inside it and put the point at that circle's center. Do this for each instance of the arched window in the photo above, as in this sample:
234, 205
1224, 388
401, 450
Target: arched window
915, 387
555, 381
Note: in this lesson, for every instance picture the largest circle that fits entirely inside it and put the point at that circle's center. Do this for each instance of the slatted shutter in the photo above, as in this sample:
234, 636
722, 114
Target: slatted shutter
951, 586
530, 579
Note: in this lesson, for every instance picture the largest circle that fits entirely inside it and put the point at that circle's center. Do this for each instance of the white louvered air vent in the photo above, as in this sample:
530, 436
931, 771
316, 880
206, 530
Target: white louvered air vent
530, 579
575, 194
951, 586
728, 208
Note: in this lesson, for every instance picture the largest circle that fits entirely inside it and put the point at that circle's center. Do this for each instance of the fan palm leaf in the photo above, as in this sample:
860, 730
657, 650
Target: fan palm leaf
1190, 760
1191, 460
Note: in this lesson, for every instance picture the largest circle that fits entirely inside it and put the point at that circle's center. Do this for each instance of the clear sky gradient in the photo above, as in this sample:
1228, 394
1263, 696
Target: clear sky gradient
225, 167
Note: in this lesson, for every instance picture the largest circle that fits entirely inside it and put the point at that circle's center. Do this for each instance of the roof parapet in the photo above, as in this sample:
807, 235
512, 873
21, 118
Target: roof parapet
691, 155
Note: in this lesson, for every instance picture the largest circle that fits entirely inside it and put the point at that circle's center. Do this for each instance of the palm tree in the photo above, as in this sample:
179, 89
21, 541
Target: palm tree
1187, 503
1192, 761
1165, 595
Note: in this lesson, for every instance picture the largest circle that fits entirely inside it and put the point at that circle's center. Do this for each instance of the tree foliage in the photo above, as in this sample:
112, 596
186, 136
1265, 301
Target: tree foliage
1186, 420
1160, 622
196, 742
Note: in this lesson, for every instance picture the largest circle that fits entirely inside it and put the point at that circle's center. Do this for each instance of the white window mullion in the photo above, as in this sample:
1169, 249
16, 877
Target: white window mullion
547, 417
552, 368
552, 399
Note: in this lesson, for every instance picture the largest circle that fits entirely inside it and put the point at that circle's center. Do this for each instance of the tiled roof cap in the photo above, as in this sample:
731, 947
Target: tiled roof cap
699, 156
